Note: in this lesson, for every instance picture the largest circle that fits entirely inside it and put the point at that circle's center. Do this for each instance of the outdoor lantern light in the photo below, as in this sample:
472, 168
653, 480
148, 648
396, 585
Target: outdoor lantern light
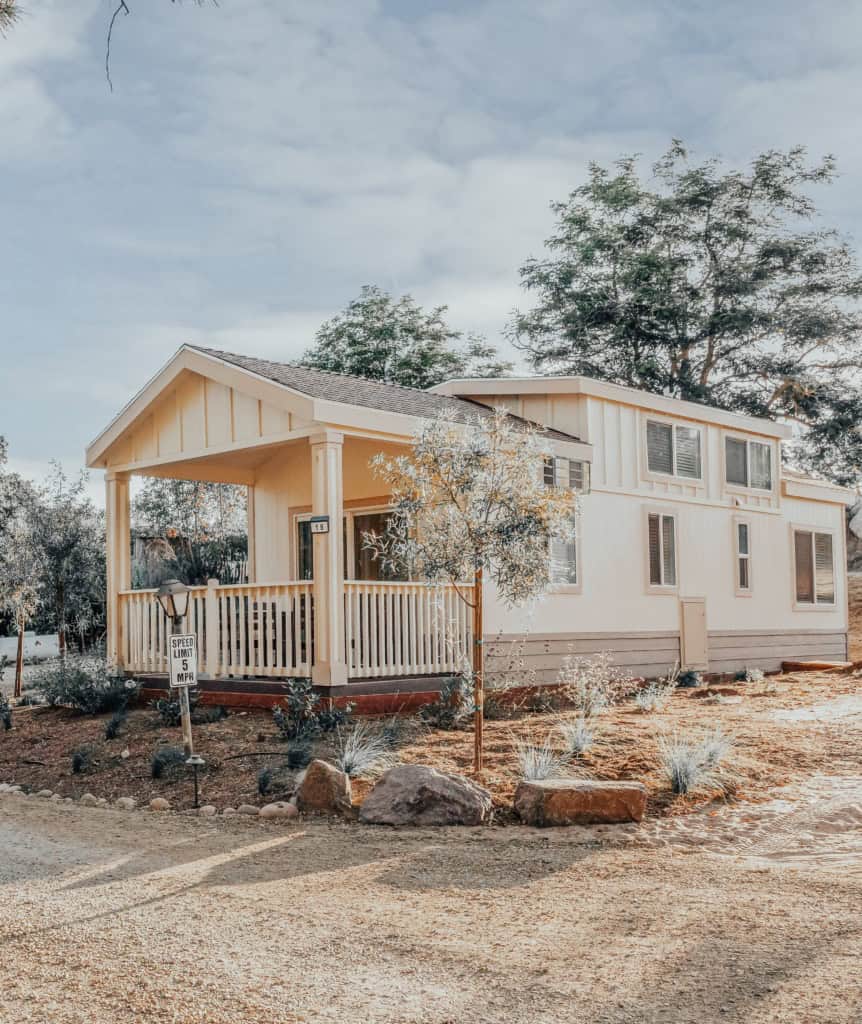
173, 597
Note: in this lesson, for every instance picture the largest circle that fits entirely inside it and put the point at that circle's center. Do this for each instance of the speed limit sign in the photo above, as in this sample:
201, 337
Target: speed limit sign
183, 659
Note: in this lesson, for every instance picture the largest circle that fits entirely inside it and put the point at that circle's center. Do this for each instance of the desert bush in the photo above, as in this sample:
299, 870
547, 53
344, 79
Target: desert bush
304, 713
85, 682
754, 675
453, 708
170, 711
657, 694
537, 761
83, 760
578, 736
166, 760
592, 685
690, 678
693, 763
363, 751
115, 723
4, 664
5, 712
299, 756
210, 715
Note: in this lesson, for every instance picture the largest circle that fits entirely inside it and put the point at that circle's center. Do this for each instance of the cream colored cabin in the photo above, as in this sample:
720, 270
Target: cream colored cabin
693, 545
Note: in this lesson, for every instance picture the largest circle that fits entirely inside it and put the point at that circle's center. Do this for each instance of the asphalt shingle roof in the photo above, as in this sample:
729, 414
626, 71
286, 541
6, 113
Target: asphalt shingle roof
370, 394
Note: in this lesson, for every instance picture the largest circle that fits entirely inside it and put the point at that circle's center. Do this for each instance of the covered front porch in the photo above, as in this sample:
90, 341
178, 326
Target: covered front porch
315, 603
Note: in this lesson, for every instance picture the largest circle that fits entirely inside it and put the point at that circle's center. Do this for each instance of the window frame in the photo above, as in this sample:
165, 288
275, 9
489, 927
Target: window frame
673, 423
837, 553
577, 587
738, 589
748, 440
586, 472
661, 588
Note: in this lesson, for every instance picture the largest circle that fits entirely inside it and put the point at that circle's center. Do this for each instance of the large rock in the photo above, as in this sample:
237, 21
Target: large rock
413, 794
324, 788
579, 802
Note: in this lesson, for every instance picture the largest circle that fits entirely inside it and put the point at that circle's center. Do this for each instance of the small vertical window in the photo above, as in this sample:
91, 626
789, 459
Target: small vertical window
743, 557
814, 567
564, 560
661, 541
748, 463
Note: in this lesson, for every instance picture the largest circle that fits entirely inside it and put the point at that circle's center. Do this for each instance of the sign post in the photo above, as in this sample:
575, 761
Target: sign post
183, 667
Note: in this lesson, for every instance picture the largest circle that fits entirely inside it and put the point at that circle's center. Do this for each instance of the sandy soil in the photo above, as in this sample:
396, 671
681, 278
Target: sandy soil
114, 917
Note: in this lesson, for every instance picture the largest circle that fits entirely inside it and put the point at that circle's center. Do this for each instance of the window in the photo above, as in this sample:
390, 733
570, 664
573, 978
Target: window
748, 463
742, 531
815, 570
365, 565
564, 561
673, 450
562, 472
661, 541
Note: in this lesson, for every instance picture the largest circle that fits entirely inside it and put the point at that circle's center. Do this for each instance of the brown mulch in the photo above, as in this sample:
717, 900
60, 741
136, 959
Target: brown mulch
37, 753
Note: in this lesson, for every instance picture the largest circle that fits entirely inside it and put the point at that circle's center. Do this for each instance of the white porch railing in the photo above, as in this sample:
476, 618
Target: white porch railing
390, 629
242, 630
403, 629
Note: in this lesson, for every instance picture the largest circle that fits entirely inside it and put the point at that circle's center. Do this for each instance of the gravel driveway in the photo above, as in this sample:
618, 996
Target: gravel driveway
111, 917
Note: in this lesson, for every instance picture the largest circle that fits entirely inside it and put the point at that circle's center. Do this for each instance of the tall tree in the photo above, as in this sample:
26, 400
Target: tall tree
395, 340
9, 14
711, 285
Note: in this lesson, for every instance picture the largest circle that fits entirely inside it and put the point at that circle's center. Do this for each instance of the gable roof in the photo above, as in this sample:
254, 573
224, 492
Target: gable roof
370, 394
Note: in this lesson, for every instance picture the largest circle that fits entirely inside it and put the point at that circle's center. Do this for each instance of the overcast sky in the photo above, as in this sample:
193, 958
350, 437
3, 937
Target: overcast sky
259, 161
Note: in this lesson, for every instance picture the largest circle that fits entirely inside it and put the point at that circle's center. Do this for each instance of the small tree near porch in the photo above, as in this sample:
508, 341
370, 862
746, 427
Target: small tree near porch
469, 503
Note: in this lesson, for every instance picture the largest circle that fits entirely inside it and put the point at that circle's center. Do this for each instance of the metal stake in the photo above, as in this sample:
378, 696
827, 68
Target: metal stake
196, 762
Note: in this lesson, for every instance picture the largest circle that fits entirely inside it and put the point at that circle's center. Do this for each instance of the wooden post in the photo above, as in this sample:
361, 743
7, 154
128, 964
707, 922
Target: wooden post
478, 673
118, 561
19, 660
211, 619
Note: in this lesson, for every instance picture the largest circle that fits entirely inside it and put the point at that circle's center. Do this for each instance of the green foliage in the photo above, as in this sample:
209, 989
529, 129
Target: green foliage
210, 715
305, 715
83, 760
84, 682
709, 285
166, 760
690, 679
115, 723
453, 709
169, 709
5, 711
396, 341
298, 756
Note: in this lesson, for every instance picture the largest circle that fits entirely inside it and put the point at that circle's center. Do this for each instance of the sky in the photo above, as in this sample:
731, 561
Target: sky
259, 161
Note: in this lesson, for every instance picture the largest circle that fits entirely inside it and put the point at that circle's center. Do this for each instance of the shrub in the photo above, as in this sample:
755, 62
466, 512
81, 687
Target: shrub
754, 675
363, 751
170, 710
165, 760
115, 723
537, 762
4, 664
578, 736
304, 714
454, 706
84, 682
211, 715
657, 694
83, 760
592, 685
5, 712
264, 781
692, 762
690, 679
298, 756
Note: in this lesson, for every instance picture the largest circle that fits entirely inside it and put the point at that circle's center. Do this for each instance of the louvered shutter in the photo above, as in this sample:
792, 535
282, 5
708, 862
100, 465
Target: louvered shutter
659, 447
654, 541
688, 452
824, 574
736, 464
668, 544
802, 544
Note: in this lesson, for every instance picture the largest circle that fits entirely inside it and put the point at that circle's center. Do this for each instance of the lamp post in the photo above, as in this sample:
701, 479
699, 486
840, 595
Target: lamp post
173, 598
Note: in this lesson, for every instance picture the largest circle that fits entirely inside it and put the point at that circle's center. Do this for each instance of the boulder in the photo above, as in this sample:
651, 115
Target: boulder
414, 794
207, 811
579, 802
248, 809
324, 788
88, 800
229, 812
159, 804
126, 803
45, 794
278, 810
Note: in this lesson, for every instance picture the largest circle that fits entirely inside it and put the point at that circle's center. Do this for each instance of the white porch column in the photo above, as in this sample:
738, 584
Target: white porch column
252, 545
330, 666
118, 558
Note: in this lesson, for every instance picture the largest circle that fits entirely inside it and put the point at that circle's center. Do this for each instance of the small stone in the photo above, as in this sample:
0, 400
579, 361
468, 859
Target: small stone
68, 800
280, 809
229, 812
126, 803
159, 804
103, 802
249, 809
125, 755
45, 794
207, 811
56, 798
88, 800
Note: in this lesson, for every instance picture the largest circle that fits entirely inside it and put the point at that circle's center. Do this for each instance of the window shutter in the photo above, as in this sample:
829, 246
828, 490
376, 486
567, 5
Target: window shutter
736, 464
688, 452
802, 543
761, 465
823, 568
654, 535
577, 476
743, 574
668, 544
659, 447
